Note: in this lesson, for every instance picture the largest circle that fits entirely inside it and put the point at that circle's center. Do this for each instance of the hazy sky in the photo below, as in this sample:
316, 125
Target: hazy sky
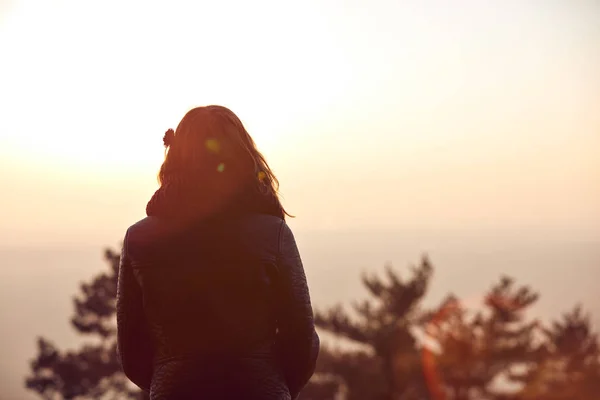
435, 115
425, 117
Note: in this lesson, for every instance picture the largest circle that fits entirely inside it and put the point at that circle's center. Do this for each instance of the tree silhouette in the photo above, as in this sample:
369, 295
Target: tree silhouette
404, 352
479, 351
453, 353
569, 367
390, 366
93, 371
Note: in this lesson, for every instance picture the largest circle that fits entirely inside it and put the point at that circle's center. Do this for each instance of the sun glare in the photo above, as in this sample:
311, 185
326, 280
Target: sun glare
98, 104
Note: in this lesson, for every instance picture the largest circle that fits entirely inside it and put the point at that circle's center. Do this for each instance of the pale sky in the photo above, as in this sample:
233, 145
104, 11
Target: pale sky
425, 115
476, 117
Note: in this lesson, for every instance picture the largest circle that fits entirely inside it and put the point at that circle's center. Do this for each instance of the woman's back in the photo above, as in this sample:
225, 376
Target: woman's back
214, 296
207, 289
212, 299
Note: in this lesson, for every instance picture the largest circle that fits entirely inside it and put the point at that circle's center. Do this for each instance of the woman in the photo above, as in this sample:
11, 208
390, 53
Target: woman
212, 296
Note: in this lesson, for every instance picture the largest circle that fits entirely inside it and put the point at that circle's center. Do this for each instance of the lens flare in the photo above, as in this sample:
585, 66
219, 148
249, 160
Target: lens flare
213, 145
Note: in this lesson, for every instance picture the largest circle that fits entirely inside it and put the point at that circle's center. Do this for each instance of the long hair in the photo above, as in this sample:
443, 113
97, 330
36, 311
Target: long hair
211, 142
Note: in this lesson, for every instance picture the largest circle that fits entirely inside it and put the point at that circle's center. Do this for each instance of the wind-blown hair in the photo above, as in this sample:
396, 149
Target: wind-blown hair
210, 146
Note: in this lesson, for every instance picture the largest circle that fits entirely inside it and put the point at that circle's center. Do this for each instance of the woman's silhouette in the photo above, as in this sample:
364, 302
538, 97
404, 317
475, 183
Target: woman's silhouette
212, 297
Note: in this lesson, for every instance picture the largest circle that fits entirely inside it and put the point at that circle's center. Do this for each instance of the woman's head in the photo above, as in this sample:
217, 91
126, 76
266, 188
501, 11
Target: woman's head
211, 150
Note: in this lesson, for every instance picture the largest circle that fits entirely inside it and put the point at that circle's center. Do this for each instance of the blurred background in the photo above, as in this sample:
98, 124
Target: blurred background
466, 130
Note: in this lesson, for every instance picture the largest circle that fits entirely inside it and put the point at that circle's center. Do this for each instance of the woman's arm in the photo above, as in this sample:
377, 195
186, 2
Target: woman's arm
133, 340
297, 342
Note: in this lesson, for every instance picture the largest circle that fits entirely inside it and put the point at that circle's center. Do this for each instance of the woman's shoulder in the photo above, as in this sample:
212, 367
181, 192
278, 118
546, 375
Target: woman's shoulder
260, 229
148, 232
260, 232
145, 227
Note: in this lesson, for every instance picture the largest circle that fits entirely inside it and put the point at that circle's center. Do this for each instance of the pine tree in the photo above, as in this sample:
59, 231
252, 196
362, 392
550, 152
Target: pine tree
478, 353
404, 351
389, 367
570, 365
93, 371
450, 353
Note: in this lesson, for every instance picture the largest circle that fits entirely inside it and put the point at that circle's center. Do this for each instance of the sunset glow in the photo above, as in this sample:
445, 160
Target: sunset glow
466, 130
491, 108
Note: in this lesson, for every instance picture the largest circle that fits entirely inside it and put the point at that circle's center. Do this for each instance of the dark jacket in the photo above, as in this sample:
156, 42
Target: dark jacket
217, 310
